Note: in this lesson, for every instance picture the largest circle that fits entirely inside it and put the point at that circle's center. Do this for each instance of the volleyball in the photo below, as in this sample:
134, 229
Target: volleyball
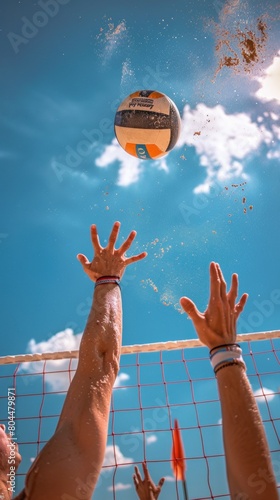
147, 124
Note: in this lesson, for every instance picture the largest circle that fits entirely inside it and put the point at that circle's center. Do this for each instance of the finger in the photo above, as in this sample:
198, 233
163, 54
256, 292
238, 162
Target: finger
135, 481
161, 482
137, 474
135, 258
158, 489
146, 473
233, 292
159, 486
214, 281
223, 285
83, 259
190, 308
95, 239
127, 243
241, 304
113, 236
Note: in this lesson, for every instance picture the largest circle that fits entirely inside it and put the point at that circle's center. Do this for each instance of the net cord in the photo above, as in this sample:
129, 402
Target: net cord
136, 348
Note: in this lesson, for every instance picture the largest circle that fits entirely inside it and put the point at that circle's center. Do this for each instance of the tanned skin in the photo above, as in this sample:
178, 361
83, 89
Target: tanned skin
68, 466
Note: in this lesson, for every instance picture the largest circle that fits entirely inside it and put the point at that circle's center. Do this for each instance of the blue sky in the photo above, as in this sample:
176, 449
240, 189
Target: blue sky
62, 82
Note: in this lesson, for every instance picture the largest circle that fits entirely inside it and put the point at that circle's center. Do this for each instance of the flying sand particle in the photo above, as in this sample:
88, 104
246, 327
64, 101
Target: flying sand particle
240, 47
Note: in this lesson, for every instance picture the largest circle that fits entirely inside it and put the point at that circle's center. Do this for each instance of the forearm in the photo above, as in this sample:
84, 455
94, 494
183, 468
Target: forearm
98, 357
103, 332
248, 462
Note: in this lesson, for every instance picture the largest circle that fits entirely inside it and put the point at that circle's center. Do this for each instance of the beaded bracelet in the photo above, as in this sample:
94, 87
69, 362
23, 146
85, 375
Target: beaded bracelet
107, 279
233, 362
229, 346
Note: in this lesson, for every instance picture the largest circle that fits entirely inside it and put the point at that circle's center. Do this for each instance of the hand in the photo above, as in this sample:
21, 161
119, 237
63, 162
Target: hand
146, 488
109, 261
217, 325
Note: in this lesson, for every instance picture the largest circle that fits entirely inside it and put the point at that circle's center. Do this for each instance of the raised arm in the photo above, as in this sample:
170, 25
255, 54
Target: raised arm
69, 465
248, 462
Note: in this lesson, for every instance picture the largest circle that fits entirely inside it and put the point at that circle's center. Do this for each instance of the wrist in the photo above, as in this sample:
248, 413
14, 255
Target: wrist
226, 355
108, 280
227, 345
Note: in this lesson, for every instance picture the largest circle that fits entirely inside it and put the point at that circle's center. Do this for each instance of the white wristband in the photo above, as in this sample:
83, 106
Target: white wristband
225, 355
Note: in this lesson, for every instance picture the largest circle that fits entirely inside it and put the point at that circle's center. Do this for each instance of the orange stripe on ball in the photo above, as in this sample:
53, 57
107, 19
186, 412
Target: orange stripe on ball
154, 150
155, 95
131, 149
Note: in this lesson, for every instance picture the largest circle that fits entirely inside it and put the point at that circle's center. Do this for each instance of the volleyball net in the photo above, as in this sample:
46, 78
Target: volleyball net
157, 383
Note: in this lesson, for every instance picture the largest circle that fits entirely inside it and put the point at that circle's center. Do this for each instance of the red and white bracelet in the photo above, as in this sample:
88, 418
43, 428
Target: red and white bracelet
103, 280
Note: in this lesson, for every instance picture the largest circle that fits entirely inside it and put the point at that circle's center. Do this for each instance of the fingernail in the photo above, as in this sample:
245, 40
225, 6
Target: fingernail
3, 427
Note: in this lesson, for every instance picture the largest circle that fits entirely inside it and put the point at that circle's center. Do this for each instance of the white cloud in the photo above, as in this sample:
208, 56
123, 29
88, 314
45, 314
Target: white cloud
276, 131
273, 155
274, 151
151, 438
221, 141
58, 380
119, 487
170, 479
263, 394
61, 341
122, 377
130, 169
114, 456
270, 82
57, 375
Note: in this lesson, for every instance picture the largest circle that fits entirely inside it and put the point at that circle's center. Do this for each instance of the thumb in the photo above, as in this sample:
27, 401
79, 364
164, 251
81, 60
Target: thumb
190, 308
241, 304
159, 486
82, 259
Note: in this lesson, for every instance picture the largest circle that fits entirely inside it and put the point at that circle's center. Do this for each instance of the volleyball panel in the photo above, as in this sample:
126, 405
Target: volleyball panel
144, 151
146, 100
135, 141
142, 119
